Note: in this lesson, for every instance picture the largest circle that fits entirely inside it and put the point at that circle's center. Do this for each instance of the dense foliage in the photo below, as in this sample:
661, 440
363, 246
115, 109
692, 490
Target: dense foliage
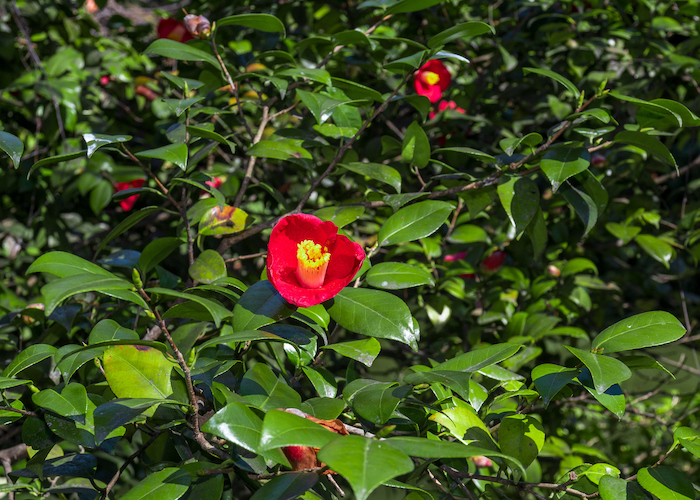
479, 221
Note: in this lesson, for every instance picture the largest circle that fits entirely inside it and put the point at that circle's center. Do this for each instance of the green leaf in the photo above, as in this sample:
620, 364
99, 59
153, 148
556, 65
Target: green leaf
355, 90
432, 448
262, 388
125, 225
455, 380
555, 76
55, 292
404, 6
214, 307
119, 412
261, 22
651, 108
317, 75
70, 402
13, 146
208, 267
613, 399
471, 28
180, 51
179, 106
648, 143
605, 370
322, 380
100, 196
397, 276
157, 251
169, 483
550, 379
415, 149
376, 171
365, 463
598, 471
666, 482
210, 134
657, 248
322, 106
260, 305
96, 141
138, 372
63, 264
561, 163
612, 488
414, 222
286, 487
281, 428
509, 145
7, 382
469, 233
637, 332
585, 207
236, 423
365, 351
623, 232
473, 153
688, 438
340, 216
56, 159
477, 359
278, 149
174, 153
375, 314
377, 402
521, 437
520, 198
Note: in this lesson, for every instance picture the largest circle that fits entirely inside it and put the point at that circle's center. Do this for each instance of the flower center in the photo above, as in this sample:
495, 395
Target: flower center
312, 263
431, 78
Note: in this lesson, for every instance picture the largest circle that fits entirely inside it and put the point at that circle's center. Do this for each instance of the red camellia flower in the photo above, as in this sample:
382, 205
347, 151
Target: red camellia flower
444, 105
128, 203
454, 257
216, 182
308, 262
432, 79
494, 261
174, 30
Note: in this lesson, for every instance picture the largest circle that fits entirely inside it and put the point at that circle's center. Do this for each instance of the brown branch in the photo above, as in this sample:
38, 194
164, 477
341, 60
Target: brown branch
234, 89
26, 413
126, 463
249, 256
153, 176
663, 178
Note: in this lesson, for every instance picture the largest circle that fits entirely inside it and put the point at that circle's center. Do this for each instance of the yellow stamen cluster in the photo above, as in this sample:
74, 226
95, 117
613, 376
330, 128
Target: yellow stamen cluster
431, 78
312, 263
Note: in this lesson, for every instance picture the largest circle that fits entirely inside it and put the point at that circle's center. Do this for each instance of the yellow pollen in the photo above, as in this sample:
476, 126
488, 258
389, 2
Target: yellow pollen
431, 78
312, 263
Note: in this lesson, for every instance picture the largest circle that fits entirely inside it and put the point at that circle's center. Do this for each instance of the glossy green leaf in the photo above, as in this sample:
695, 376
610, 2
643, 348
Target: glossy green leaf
138, 372
657, 248
521, 437
365, 463
262, 22
323, 381
119, 412
13, 146
278, 149
432, 448
404, 6
281, 428
623, 232
377, 402
260, 305
8, 382
63, 264
208, 267
585, 207
650, 108
376, 171
509, 145
108, 330
613, 398
100, 196
666, 482
374, 313
174, 153
688, 438
180, 51
133, 219
157, 251
213, 307
550, 379
179, 106
415, 149
464, 30
520, 198
414, 222
365, 351
466, 426
56, 159
169, 483
209, 134
262, 388
605, 370
71, 401
96, 141
648, 143
238, 424
455, 380
477, 359
473, 153
286, 487
397, 276
612, 488
559, 164
469, 233
642, 330
555, 76
340, 216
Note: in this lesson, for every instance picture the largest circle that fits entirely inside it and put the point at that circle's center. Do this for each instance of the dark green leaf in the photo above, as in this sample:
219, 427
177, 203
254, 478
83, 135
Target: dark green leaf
642, 330
666, 482
612, 488
583, 204
377, 402
550, 379
262, 22
561, 163
174, 153
520, 198
555, 76
63, 264
365, 351
262, 388
125, 225
414, 222
286, 487
377, 171
397, 276
416, 147
259, 305
474, 153
464, 30
278, 149
214, 307
477, 359
56, 159
12, 146
169, 483
180, 51
648, 143
96, 141
57, 291
605, 370
208, 267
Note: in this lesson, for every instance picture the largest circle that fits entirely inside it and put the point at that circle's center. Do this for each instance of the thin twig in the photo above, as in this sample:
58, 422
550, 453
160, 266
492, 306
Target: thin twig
234, 89
249, 256
251, 161
153, 176
26, 413
126, 463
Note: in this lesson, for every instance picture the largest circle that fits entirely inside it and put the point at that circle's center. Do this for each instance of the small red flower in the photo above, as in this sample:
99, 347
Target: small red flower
128, 203
481, 461
454, 257
444, 105
216, 182
432, 79
173, 29
308, 262
494, 261
104, 80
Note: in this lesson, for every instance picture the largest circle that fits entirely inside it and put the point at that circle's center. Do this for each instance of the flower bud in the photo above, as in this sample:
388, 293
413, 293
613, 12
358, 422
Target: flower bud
553, 271
198, 26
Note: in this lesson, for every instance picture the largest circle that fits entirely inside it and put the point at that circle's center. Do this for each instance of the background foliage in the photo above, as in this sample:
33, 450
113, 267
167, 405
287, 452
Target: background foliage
530, 288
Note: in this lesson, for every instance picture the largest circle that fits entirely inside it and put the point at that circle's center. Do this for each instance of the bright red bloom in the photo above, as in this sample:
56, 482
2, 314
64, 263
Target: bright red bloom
173, 29
128, 203
432, 79
308, 262
216, 182
104, 80
494, 261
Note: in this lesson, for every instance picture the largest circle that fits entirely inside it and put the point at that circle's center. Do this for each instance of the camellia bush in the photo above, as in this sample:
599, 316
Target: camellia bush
384, 249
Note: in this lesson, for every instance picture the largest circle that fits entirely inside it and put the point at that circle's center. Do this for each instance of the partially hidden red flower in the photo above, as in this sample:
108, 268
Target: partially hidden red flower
481, 461
454, 257
304, 457
128, 203
445, 105
494, 261
216, 182
432, 79
173, 29
308, 262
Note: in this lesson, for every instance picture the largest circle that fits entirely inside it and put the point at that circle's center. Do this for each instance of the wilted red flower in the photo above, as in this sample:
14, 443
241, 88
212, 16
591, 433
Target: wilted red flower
432, 79
494, 261
304, 457
308, 262
173, 29
444, 105
128, 203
